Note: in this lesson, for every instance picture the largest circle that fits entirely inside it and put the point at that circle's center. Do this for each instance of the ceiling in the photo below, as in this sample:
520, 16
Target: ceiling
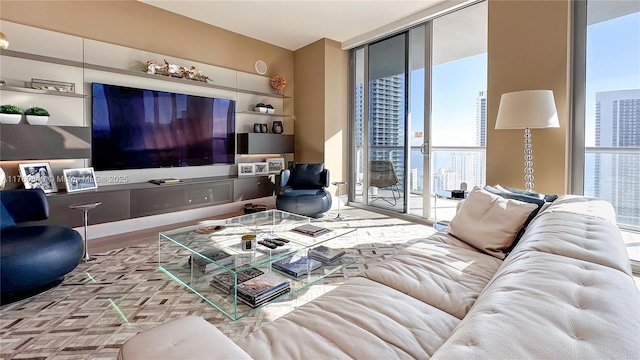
293, 24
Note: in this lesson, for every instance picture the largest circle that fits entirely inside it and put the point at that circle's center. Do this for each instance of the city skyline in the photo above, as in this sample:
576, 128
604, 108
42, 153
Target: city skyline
616, 176
458, 90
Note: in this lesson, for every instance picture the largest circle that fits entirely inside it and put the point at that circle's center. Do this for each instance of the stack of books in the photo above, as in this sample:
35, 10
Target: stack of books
296, 265
262, 289
203, 265
225, 281
326, 255
311, 230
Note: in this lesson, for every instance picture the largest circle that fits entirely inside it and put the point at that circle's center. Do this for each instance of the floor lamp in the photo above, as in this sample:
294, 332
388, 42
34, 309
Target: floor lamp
529, 109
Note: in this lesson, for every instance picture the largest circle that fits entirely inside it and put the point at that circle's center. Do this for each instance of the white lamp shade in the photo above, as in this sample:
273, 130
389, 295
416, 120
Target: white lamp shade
533, 109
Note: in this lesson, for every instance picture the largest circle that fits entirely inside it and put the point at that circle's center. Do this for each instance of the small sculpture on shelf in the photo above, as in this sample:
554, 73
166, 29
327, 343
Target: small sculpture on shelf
278, 82
174, 70
53, 85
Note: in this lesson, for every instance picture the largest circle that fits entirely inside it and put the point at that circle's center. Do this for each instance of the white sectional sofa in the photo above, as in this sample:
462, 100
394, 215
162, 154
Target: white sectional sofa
564, 292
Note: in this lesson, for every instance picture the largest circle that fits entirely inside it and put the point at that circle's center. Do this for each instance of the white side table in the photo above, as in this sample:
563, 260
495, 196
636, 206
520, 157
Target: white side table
339, 184
443, 194
85, 208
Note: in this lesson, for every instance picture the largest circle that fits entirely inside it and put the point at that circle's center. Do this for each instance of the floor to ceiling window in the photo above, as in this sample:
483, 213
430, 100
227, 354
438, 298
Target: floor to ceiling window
459, 103
607, 107
419, 113
386, 122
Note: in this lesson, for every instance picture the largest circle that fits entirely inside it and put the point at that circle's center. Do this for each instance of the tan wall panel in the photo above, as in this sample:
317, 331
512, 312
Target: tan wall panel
527, 45
336, 107
141, 26
309, 98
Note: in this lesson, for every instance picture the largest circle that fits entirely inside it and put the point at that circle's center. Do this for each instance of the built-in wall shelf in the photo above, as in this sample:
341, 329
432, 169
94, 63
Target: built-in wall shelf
157, 77
264, 114
47, 59
254, 143
35, 142
38, 91
179, 80
140, 73
264, 94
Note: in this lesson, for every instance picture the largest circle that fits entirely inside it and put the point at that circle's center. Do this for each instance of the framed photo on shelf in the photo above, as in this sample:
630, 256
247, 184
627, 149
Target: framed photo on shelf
275, 165
245, 169
262, 168
38, 176
80, 179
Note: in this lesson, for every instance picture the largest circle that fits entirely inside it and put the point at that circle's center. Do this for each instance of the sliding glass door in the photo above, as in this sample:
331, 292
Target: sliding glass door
419, 113
386, 123
458, 104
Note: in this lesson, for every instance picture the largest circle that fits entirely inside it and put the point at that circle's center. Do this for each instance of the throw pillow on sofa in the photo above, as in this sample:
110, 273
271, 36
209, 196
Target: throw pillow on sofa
490, 222
528, 197
546, 198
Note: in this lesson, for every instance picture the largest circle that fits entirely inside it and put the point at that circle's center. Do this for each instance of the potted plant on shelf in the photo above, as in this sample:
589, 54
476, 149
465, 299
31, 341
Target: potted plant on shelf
37, 115
260, 107
270, 109
10, 114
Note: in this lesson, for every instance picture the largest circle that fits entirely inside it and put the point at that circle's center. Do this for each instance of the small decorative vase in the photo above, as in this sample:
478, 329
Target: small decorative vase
257, 128
264, 128
277, 127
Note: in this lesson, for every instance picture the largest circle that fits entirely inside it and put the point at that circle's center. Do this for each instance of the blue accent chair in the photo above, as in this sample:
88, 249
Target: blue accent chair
303, 190
33, 257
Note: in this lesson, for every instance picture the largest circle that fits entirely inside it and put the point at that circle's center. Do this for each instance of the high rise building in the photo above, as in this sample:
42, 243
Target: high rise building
481, 119
617, 172
359, 116
386, 121
481, 137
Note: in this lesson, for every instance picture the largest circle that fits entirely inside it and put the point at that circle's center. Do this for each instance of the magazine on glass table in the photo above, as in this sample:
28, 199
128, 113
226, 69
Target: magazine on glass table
296, 265
311, 230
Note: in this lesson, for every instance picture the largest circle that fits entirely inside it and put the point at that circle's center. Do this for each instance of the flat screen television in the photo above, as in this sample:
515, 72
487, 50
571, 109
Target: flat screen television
137, 129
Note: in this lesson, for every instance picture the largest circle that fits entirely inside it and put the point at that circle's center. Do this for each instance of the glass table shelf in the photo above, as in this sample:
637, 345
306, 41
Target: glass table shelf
193, 256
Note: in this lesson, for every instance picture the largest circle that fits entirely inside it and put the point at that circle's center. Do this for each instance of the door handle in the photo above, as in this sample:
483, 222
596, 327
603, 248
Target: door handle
424, 148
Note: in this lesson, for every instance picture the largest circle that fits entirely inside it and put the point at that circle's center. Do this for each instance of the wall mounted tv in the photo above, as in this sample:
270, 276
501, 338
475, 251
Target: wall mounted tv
137, 128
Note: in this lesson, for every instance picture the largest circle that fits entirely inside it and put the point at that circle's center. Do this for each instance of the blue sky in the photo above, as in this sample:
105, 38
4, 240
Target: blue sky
454, 94
613, 62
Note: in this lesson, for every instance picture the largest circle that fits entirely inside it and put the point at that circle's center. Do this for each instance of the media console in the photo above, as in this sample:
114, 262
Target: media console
128, 201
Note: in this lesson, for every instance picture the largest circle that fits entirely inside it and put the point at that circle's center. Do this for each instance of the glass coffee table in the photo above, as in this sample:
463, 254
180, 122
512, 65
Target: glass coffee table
209, 259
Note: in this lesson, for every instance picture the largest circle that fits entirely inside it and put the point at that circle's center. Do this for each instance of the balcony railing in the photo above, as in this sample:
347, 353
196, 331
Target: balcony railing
463, 164
613, 174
